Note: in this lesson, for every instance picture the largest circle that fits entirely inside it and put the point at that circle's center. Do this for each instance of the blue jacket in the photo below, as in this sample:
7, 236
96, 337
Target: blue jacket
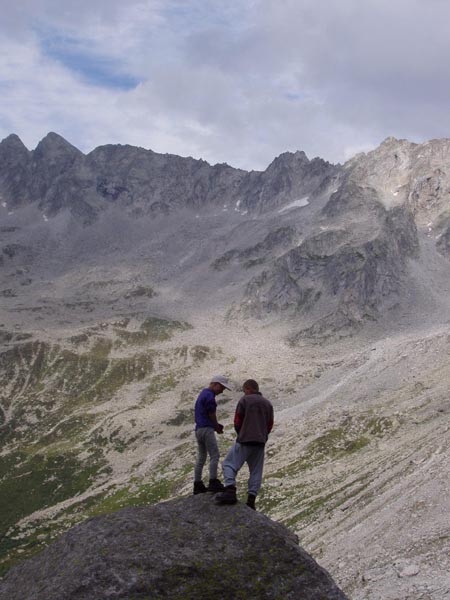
205, 404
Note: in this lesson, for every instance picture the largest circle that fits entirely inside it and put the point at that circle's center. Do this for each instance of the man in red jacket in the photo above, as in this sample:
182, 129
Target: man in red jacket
253, 422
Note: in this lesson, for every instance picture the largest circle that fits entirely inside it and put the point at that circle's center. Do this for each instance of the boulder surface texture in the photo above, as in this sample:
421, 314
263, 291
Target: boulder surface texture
187, 548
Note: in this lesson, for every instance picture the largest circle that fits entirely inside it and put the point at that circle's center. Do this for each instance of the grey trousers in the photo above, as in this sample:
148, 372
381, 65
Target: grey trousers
236, 457
206, 444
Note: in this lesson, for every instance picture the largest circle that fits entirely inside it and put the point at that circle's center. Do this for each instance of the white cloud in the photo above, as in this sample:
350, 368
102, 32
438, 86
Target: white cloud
236, 82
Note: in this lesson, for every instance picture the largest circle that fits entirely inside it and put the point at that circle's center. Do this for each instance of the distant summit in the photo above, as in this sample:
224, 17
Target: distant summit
188, 548
54, 144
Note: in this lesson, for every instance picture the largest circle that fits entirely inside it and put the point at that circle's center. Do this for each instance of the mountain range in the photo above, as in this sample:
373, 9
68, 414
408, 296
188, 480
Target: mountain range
128, 278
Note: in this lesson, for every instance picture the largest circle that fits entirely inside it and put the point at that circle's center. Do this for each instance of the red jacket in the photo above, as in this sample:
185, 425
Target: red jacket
253, 419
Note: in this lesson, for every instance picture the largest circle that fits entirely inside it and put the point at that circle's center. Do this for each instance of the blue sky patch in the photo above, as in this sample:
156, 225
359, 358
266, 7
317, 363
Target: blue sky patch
79, 57
294, 96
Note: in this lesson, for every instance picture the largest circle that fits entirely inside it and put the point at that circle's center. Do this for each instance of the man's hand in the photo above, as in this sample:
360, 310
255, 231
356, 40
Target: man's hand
218, 427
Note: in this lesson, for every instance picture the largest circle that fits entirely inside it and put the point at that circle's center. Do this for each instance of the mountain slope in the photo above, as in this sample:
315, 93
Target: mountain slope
127, 278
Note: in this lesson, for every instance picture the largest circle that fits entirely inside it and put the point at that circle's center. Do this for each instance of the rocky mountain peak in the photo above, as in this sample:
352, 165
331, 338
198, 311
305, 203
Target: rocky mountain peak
14, 163
288, 159
299, 164
54, 163
117, 152
12, 142
408, 174
12, 150
391, 141
54, 146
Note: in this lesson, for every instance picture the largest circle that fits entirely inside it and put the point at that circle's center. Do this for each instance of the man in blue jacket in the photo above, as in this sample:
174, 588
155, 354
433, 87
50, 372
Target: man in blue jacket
206, 427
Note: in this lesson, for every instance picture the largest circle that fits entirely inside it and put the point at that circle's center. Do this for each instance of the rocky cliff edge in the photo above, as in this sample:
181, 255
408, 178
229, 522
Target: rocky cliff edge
187, 548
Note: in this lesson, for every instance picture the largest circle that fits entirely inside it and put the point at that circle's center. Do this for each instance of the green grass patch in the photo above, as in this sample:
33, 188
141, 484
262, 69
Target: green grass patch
151, 330
165, 382
101, 348
24, 544
136, 495
31, 483
354, 435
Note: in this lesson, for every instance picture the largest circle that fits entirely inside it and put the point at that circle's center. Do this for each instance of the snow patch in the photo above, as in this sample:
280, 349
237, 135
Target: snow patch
4, 205
187, 257
295, 204
45, 218
236, 208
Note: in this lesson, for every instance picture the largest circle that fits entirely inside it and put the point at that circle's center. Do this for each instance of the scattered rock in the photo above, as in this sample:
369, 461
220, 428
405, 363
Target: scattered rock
405, 569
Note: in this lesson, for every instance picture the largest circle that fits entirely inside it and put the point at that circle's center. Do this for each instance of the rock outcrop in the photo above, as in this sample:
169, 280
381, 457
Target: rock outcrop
355, 263
188, 548
415, 175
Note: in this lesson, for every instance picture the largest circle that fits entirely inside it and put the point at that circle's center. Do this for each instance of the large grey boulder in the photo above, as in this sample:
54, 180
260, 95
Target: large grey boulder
187, 548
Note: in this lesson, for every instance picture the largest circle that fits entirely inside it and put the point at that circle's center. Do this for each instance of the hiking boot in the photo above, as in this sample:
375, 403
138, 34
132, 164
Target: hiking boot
215, 486
199, 487
251, 501
228, 496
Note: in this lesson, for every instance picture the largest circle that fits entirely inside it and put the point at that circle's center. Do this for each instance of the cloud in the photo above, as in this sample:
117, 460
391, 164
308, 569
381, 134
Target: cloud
236, 82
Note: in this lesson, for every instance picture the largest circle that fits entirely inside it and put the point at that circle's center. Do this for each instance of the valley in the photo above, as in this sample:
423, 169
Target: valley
114, 314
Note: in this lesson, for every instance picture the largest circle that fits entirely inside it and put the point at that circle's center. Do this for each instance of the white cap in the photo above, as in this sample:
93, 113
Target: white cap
222, 380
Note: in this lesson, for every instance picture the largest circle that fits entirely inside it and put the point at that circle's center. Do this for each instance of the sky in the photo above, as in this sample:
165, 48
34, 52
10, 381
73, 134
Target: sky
237, 82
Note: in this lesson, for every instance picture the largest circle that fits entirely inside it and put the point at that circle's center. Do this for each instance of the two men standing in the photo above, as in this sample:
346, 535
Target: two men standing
253, 421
